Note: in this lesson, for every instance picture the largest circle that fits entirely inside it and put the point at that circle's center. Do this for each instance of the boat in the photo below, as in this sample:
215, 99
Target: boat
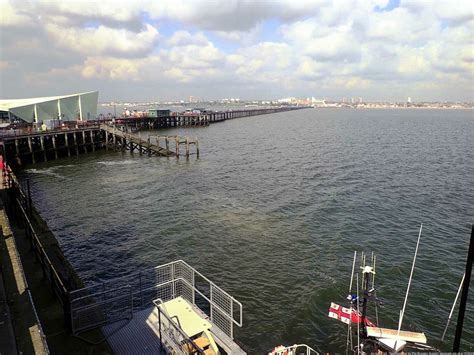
371, 337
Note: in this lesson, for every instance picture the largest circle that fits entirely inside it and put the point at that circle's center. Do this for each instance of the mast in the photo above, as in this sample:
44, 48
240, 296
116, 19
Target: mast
465, 291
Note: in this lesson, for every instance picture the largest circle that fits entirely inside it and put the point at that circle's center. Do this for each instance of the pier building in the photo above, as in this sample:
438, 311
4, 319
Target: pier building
51, 110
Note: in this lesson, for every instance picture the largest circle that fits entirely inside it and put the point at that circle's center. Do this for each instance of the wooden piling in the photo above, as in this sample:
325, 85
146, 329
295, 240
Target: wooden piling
30, 146
92, 140
66, 141
55, 147
84, 141
75, 143
42, 148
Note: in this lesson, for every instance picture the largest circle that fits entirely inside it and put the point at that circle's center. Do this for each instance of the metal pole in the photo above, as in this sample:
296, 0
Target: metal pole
465, 291
159, 327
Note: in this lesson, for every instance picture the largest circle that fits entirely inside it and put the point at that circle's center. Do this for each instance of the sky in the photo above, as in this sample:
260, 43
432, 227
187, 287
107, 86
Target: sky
163, 50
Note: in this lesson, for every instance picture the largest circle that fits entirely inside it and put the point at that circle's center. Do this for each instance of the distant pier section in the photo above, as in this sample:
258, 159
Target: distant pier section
156, 119
27, 143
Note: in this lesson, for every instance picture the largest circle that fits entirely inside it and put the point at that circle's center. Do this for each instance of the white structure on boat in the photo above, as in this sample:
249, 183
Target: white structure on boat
75, 107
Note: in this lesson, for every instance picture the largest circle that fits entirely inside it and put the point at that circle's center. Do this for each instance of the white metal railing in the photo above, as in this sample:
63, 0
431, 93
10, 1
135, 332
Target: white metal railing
172, 336
163, 282
296, 349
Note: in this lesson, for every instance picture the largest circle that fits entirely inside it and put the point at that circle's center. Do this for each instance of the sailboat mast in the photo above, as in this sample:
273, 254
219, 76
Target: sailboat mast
364, 304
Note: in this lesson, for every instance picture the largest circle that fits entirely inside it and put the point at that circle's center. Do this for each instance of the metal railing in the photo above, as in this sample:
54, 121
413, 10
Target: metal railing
172, 337
22, 132
9, 181
296, 349
19, 205
163, 282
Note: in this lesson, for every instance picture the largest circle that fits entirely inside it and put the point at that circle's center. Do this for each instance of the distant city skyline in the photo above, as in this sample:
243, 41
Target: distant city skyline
378, 50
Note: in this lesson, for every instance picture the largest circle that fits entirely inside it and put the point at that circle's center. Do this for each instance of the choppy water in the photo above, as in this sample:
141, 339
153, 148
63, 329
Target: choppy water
275, 207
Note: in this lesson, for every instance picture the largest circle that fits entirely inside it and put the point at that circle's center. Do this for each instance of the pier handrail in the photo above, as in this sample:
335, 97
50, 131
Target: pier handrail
175, 344
44, 256
23, 203
167, 282
292, 350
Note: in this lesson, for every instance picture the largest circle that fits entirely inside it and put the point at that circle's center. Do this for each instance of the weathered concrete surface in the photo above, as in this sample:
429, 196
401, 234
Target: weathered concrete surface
27, 330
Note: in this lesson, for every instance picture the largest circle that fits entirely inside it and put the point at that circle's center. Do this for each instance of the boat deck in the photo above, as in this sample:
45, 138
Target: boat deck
140, 335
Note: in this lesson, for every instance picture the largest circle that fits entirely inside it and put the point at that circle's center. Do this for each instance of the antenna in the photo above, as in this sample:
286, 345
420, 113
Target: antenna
454, 305
402, 312
349, 326
358, 318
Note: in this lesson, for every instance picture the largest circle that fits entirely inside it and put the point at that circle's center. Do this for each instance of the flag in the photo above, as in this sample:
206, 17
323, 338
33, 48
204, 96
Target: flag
346, 316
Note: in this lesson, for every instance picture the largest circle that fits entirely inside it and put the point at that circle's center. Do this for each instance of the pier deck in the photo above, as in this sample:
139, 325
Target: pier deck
151, 145
140, 335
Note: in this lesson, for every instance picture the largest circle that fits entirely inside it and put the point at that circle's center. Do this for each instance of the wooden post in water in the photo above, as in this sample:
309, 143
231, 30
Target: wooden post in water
66, 141
187, 147
92, 140
177, 147
465, 291
196, 142
17, 147
167, 144
42, 148
84, 141
30, 145
75, 143
55, 147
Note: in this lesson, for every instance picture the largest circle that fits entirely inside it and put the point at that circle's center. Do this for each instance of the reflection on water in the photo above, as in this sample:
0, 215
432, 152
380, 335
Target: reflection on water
273, 210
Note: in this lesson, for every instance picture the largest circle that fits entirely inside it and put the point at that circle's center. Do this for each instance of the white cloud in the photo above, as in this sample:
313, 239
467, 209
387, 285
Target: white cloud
182, 38
11, 15
104, 40
319, 45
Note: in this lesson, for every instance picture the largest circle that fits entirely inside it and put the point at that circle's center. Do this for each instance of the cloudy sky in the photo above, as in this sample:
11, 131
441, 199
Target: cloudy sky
263, 49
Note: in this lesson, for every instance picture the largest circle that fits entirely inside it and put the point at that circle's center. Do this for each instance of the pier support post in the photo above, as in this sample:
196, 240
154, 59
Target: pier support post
197, 147
42, 148
187, 147
75, 143
17, 147
30, 146
92, 140
167, 144
55, 147
177, 146
66, 141
84, 141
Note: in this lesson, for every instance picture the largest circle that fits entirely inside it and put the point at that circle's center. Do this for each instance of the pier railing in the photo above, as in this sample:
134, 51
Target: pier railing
173, 337
18, 204
93, 304
296, 349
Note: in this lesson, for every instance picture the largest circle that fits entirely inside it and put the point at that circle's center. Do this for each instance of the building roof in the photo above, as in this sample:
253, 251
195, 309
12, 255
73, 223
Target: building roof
6, 105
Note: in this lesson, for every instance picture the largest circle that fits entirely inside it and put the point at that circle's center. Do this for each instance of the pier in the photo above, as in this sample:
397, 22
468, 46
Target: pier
202, 119
151, 145
31, 147
28, 146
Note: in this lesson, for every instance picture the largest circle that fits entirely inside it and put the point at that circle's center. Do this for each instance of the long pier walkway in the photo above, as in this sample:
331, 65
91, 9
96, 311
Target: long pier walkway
204, 118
